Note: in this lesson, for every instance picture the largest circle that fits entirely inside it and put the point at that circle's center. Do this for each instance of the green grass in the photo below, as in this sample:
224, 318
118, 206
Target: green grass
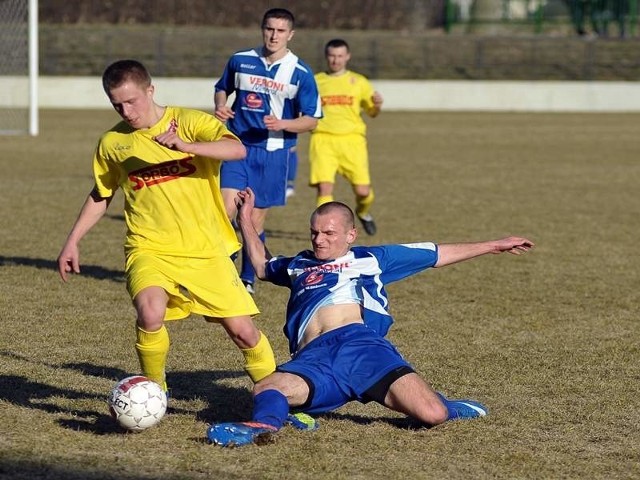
549, 341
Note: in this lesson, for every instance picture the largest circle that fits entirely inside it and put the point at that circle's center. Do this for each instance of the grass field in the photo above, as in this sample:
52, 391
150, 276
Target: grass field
548, 341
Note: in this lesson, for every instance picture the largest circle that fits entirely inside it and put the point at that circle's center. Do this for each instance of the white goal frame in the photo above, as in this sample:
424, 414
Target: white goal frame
19, 90
33, 68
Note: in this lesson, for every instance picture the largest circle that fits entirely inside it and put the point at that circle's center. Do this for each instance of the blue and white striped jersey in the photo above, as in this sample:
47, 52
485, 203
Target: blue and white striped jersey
358, 277
285, 89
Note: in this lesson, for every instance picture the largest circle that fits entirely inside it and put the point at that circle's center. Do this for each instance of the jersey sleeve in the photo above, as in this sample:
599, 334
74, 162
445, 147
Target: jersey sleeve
226, 82
276, 271
308, 97
403, 260
106, 174
366, 101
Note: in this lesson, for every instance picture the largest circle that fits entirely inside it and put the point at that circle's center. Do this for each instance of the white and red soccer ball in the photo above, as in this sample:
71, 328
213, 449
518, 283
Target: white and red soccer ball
137, 403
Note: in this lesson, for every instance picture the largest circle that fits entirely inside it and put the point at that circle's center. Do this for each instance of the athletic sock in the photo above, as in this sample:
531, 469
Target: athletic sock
270, 407
363, 204
259, 360
322, 199
153, 349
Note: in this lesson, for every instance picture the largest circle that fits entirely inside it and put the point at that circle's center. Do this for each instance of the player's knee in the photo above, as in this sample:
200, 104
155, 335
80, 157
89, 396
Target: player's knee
364, 192
439, 413
150, 316
433, 412
325, 189
271, 382
149, 324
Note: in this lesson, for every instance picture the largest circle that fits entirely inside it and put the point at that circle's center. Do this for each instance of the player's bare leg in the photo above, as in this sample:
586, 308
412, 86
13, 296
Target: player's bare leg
413, 396
253, 344
229, 197
241, 330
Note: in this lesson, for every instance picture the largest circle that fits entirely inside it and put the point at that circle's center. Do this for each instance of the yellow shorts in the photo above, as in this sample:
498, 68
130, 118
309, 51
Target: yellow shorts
344, 154
205, 286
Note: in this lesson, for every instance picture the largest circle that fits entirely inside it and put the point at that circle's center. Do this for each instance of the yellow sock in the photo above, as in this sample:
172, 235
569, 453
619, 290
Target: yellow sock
153, 349
363, 204
259, 360
322, 199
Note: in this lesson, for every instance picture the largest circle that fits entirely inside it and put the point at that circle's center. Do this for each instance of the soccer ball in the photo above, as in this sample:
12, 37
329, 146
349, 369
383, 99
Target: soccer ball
137, 403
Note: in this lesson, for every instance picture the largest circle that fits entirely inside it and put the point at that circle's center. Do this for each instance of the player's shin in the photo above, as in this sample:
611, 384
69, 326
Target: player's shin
270, 407
363, 204
259, 360
152, 349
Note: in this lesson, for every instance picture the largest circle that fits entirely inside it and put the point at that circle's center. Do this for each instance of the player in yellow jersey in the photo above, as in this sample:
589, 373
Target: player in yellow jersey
338, 144
179, 239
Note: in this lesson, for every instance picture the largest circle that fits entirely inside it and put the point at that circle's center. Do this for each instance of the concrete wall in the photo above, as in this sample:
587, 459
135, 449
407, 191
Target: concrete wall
542, 96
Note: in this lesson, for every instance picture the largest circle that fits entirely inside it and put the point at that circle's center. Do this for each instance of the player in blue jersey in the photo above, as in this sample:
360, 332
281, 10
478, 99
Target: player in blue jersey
276, 98
337, 317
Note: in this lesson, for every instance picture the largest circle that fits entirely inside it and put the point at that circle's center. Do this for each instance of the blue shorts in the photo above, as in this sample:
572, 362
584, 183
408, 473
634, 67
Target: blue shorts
265, 172
344, 365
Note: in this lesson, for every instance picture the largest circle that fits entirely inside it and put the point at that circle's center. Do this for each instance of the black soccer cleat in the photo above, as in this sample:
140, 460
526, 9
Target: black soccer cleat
368, 224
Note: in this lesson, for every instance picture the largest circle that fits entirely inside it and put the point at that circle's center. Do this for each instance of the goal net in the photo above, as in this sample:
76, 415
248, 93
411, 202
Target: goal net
18, 67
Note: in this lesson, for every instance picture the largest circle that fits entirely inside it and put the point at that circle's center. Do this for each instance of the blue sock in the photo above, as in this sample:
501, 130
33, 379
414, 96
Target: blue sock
247, 273
270, 407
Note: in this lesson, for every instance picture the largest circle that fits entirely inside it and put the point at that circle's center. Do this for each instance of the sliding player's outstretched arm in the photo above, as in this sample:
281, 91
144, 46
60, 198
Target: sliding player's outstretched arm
256, 249
449, 253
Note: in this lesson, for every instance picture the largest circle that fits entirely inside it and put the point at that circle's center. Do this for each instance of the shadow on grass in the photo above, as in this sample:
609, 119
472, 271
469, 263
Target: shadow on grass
28, 470
93, 271
224, 403
406, 423
190, 385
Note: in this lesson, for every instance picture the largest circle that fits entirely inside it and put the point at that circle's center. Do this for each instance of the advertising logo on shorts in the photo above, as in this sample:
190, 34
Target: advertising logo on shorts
253, 101
313, 278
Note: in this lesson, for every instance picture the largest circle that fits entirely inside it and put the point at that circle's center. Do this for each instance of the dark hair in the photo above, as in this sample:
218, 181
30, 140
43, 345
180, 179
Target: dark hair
340, 207
123, 71
336, 43
281, 13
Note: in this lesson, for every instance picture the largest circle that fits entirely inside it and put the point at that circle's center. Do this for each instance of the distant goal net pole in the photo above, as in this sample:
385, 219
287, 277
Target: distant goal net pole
33, 68
19, 67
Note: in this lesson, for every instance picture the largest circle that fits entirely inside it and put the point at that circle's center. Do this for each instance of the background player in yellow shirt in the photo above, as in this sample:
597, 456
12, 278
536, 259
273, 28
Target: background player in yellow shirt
179, 239
338, 144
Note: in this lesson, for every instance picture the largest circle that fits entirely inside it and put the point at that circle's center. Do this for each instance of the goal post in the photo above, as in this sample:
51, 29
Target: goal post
19, 67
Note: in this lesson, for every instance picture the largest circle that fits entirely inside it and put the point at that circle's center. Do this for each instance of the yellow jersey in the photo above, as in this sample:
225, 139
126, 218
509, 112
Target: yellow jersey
173, 203
343, 98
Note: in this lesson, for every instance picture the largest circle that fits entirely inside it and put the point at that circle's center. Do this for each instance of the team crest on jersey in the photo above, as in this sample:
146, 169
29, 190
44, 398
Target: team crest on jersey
253, 100
313, 278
